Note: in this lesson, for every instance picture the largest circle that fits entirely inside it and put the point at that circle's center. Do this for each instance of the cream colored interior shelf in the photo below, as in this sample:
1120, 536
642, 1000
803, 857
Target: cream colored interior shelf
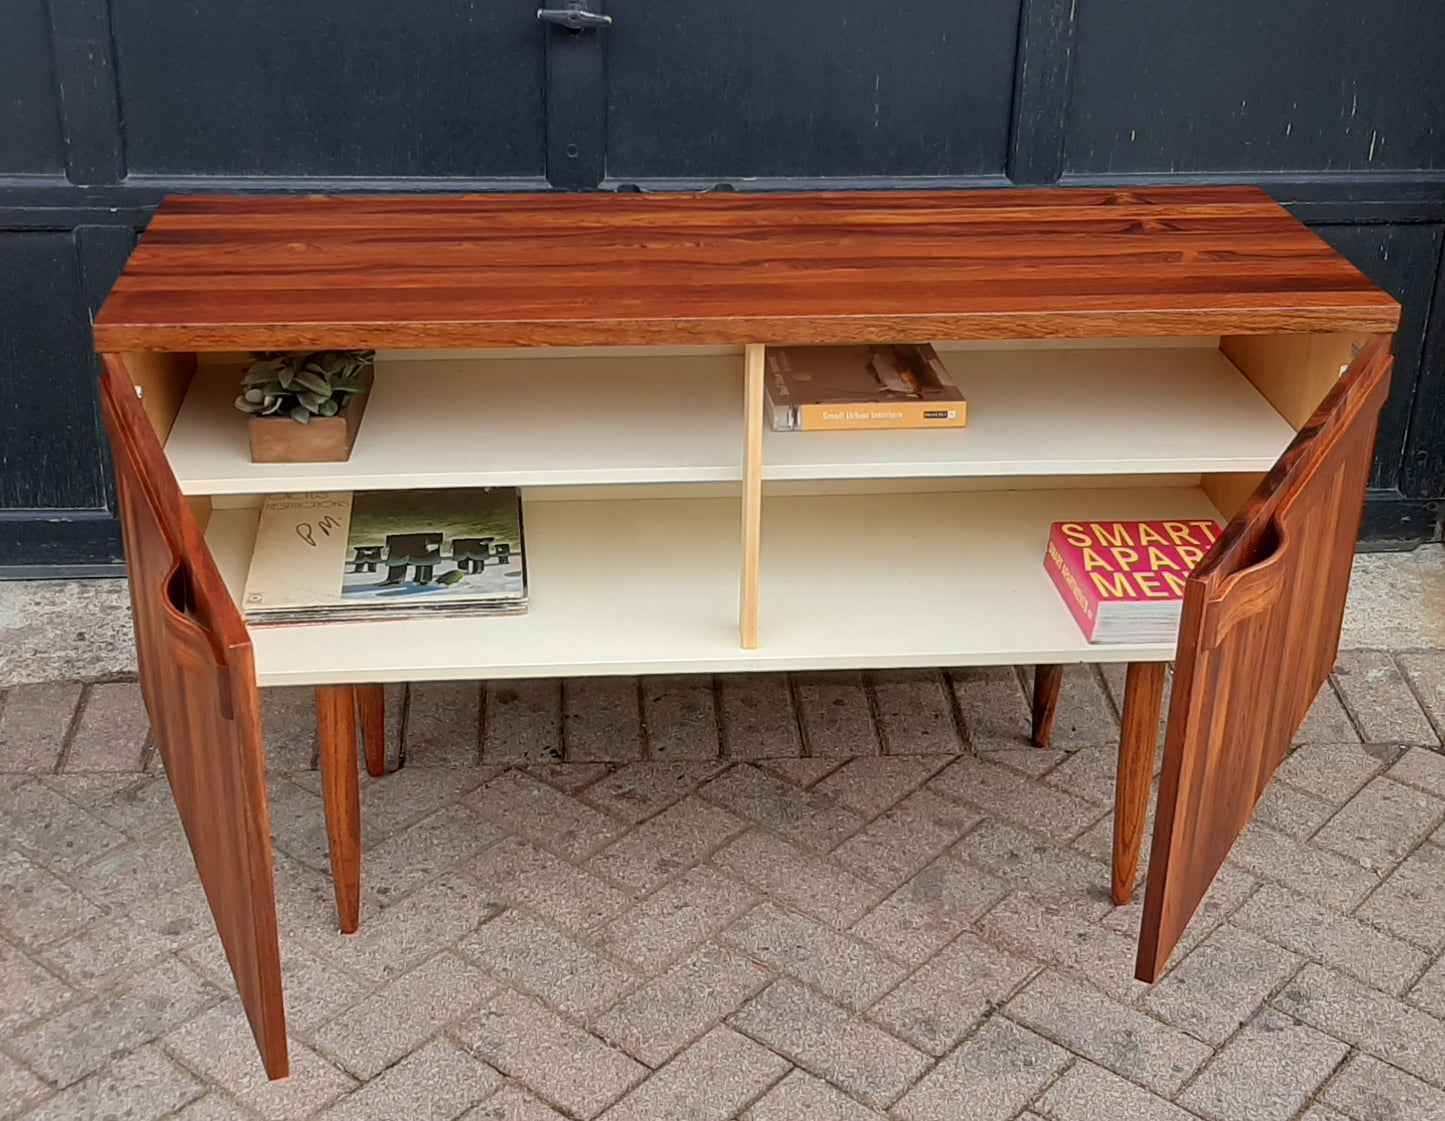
503, 421
1064, 412
593, 418
651, 586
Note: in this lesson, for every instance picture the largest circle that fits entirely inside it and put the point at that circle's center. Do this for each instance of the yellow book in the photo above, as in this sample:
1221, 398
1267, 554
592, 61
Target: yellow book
821, 388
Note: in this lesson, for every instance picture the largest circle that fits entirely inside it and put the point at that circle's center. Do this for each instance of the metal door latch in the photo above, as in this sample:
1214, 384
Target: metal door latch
574, 17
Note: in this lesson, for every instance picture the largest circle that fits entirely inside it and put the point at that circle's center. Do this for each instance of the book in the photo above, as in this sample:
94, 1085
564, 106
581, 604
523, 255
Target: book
384, 554
1124, 581
821, 388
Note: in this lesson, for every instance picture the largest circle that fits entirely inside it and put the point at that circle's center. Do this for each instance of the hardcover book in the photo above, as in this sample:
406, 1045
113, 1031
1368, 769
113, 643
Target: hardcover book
1124, 581
380, 554
817, 388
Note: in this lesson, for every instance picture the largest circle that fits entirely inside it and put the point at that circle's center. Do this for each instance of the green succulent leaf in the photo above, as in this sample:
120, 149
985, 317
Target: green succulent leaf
301, 384
315, 382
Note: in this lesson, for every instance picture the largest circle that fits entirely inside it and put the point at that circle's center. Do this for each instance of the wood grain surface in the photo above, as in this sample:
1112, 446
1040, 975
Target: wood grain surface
371, 712
1258, 637
1048, 681
1138, 736
341, 797
198, 678
753, 394
223, 272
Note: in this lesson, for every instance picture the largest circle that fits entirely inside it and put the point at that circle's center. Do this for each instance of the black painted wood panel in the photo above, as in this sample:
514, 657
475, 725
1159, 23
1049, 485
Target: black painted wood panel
1202, 85
85, 75
1313, 98
576, 102
1403, 260
29, 120
1393, 522
59, 543
1043, 73
49, 430
316, 88
1422, 471
832, 88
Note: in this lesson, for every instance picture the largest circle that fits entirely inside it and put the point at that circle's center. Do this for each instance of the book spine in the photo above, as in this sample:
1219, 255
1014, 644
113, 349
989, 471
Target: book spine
902, 414
1083, 606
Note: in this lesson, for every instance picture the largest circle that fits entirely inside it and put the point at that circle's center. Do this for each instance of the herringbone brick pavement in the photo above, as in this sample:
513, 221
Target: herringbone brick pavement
814, 897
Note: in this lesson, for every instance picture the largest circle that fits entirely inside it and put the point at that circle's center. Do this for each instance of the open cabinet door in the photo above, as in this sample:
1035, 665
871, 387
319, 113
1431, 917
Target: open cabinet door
199, 684
1258, 637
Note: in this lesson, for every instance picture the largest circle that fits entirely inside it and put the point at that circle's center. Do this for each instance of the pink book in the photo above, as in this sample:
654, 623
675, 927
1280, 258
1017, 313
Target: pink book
1124, 581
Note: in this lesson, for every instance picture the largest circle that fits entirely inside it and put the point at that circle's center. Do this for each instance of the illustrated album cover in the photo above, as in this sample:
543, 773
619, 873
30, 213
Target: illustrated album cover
382, 553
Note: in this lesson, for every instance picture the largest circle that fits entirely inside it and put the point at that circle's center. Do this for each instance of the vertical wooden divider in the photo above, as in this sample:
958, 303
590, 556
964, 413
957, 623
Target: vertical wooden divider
752, 493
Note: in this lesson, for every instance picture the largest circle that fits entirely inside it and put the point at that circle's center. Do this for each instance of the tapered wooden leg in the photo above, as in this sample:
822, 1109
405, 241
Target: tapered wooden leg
341, 796
1047, 680
371, 706
1138, 733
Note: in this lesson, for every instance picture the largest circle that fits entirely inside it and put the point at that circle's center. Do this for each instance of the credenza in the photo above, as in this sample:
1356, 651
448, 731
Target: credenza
1162, 353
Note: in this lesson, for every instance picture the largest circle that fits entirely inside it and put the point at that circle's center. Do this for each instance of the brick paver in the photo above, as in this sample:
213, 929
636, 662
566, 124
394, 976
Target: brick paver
834, 897
833, 713
1268, 1072
1380, 698
112, 733
34, 724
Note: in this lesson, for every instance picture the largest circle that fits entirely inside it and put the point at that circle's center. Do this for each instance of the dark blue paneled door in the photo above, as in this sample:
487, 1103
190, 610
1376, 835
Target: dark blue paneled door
696, 93
1204, 86
30, 121
1335, 106
368, 88
833, 89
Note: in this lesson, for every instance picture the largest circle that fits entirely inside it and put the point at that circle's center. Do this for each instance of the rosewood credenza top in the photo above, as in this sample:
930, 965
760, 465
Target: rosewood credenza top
225, 273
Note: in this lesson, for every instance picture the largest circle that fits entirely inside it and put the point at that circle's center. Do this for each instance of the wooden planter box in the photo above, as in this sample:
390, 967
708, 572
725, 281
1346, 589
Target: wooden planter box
326, 439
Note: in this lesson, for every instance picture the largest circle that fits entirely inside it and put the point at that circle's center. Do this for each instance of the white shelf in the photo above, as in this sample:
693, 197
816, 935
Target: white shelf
651, 586
1064, 412
491, 422
562, 419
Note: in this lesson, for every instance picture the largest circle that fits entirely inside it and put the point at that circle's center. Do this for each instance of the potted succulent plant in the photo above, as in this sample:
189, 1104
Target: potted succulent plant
305, 406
